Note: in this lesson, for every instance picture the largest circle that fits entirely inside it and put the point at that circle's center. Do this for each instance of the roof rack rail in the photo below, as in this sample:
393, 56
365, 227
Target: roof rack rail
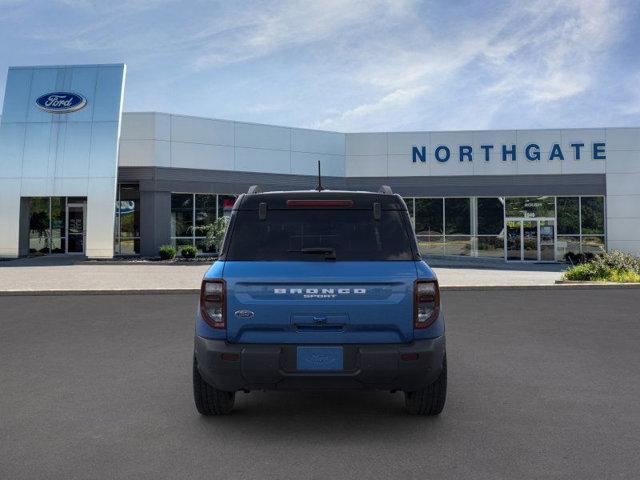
385, 190
254, 189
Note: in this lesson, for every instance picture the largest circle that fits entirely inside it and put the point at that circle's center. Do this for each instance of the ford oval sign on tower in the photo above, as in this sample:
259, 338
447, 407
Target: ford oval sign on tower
61, 102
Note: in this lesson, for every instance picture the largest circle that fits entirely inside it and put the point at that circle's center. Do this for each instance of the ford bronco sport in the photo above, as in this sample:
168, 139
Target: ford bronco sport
319, 290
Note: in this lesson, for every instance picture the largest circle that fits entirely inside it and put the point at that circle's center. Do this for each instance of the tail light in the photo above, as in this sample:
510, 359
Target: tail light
212, 302
426, 303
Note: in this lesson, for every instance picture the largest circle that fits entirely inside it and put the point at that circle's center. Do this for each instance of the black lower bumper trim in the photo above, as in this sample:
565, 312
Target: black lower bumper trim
233, 367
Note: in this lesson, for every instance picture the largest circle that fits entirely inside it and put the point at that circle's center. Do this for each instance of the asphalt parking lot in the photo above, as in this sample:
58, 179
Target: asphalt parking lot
542, 384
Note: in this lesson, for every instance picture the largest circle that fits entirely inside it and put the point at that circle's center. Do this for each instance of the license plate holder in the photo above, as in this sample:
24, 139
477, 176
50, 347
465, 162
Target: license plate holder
320, 359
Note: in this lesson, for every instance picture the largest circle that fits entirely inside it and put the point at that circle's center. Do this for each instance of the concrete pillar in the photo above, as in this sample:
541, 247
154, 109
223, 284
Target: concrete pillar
155, 221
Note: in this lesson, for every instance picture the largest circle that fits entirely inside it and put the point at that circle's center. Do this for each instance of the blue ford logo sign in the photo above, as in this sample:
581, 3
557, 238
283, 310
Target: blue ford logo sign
243, 313
61, 102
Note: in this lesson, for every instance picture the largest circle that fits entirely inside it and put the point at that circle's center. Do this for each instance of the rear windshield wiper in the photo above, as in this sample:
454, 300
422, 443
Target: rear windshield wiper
329, 253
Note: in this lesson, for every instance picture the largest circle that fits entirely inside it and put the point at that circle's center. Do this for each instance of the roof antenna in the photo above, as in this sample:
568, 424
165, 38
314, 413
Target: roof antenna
319, 187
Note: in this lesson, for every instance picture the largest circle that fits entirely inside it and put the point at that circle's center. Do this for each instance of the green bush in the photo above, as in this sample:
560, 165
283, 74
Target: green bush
607, 267
189, 251
214, 233
167, 252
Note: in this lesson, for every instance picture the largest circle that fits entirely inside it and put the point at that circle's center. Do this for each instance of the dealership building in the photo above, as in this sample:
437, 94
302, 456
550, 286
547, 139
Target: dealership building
79, 176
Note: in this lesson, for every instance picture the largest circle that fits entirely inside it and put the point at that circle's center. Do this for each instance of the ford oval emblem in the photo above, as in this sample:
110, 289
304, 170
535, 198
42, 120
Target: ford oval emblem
61, 102
244, 313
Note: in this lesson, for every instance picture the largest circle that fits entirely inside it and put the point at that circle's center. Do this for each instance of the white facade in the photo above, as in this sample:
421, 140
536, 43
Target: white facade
61, 155
176, 141
164, 140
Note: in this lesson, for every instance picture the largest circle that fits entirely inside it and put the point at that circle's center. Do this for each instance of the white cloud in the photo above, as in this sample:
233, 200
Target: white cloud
537, 54
349, 64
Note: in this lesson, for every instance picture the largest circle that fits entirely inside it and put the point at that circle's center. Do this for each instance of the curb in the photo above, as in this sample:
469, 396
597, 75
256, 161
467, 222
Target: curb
559, 285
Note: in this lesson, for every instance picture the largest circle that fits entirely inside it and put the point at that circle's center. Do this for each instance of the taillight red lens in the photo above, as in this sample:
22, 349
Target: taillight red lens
426, 303
212, 302
319, 203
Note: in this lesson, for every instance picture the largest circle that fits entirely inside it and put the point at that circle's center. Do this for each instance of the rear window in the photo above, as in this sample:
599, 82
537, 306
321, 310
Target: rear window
318, 235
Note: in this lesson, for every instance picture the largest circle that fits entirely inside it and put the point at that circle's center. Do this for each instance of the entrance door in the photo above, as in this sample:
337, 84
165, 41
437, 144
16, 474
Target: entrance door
547, 240
75, 227
514, 240
530, 240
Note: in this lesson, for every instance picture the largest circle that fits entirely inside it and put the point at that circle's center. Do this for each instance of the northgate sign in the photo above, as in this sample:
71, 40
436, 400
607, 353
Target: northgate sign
531, 152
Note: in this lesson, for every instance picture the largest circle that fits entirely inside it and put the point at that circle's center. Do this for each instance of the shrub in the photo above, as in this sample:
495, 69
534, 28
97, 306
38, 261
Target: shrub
189, 251
214, 233
607, 267
616, 260
583, 271
167, 252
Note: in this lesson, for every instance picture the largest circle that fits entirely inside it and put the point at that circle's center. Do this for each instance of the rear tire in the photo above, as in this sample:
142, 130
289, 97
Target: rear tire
210, 400
430, 400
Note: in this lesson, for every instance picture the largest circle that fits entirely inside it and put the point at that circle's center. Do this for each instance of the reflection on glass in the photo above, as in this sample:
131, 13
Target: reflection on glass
225, 205
547, 241
129, 246
429, 216
39, 225
75, 236
568, 244
568, 216
58, 245
592, 215
457, 214
491, 246
593, 244
181, 242
529, 240
530, 207
181, 214
409, 202
129, 211
514, 237
457, 245
430, 244
205, 210
490, 216
58, 216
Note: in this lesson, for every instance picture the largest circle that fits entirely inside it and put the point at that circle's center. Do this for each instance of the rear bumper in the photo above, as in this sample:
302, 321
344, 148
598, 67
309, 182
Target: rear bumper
273, 367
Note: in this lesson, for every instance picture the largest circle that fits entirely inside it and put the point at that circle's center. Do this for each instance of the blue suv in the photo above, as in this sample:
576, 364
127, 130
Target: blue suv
319, 290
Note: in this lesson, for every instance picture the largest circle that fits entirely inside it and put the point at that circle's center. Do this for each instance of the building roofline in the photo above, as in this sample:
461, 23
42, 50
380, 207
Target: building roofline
377, 132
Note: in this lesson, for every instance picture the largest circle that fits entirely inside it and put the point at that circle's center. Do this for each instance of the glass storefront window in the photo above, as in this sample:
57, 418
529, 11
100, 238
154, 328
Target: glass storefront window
430, 244
491, 246
225, 205
181, 214
568, 216
457, 214
48, 224
567, 244
127, 226
593, 244
592, 214
530, 207
182, 242
205, 210
457, 245
429, 216
490, 216
409, 202
39, 225
191, 211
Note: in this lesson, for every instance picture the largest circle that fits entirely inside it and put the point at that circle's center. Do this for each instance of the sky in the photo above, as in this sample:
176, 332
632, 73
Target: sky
349, 65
